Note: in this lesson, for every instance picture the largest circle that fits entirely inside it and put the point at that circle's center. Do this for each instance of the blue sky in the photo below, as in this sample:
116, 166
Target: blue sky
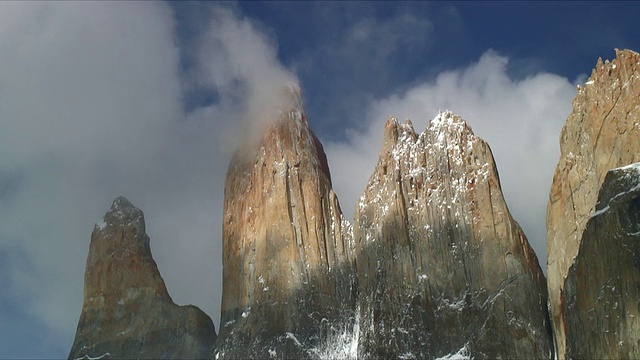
148, 99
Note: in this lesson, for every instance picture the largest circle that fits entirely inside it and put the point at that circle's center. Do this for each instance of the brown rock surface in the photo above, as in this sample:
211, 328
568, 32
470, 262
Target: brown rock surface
601, 293
286, 245
442, 267
602, 132
127, 311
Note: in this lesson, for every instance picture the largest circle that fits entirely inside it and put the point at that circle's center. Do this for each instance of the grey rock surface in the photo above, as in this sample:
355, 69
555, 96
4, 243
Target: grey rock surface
601, 295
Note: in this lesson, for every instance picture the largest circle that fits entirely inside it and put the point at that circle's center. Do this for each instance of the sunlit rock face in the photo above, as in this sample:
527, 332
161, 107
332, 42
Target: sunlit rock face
287, 280
442, 267
601, 133
433, 266
600, 299
127, 311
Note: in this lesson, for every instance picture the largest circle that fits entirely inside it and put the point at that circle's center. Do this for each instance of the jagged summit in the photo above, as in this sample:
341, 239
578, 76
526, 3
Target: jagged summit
394, 131
446, 121
119, 236
127, 311
123, 208
121, 213
448, 118
449, 127
452, 131
121, 202
393, 128
606, 70
447, 136
442, 267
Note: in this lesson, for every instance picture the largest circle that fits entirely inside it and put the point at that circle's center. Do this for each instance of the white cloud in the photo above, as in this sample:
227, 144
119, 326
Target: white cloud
91, 107
520, 119
239, 60
86, 91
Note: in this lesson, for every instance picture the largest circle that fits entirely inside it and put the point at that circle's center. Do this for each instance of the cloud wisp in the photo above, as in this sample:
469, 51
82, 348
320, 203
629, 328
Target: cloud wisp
360, 56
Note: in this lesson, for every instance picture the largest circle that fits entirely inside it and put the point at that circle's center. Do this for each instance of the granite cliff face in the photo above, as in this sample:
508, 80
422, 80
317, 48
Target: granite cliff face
600, 299
601, 133
442, 267
433, 266
286, 246
127, 311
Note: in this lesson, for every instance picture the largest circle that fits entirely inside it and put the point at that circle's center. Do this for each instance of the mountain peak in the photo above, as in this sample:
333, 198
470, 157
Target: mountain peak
285, 241
286, 138
127, 311
448, 123
394, 131
122, 213
121, 203
435, 240
609, 74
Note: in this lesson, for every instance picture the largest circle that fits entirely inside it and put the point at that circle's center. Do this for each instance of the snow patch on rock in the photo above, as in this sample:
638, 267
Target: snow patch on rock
462, 354
87, 357
101, 225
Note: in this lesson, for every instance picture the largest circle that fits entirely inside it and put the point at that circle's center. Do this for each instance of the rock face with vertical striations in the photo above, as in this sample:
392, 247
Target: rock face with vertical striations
127, 311
601, 133
442, 268
287, 277
601, 293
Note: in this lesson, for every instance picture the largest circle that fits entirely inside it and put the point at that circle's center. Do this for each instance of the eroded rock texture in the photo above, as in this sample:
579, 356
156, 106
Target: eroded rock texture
442, 267
601, 133
601, 295
127, 311
286, 246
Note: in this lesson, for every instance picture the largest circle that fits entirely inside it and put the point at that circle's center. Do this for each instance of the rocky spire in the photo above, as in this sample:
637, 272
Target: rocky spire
601, 133
286, 244
127, 311
442, 267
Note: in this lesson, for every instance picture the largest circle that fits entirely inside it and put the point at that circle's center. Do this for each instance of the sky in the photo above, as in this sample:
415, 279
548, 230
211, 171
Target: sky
148, 100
